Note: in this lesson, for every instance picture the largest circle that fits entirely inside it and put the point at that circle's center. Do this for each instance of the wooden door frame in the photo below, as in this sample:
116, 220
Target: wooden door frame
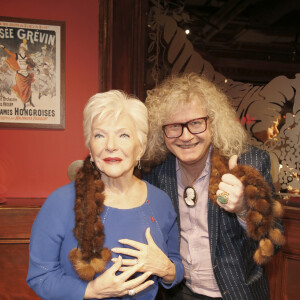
122, 35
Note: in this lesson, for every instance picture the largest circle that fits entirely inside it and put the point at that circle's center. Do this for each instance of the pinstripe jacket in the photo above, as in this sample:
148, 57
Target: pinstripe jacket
237, 275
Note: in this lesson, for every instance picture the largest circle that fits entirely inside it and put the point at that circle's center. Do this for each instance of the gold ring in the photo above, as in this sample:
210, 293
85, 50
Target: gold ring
223, 198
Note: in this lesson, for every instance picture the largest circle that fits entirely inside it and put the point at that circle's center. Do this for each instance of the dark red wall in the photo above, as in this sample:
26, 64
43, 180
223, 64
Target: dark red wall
33, 162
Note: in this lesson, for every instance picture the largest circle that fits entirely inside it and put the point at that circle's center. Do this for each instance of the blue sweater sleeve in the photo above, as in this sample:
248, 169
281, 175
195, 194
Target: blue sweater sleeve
166, 213
174, 255
46, 275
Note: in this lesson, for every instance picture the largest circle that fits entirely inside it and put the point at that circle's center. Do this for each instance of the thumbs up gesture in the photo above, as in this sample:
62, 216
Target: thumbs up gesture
231, 190
232, 163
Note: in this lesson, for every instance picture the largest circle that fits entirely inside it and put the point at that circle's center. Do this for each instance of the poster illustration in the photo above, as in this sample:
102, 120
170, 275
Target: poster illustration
32, 79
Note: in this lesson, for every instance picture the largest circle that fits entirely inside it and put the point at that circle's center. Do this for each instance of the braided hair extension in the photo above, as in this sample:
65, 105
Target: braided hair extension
262, 207
91, 257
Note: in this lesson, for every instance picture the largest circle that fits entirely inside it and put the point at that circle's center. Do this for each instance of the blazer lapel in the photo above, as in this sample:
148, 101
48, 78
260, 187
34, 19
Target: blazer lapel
213, 228
168, 182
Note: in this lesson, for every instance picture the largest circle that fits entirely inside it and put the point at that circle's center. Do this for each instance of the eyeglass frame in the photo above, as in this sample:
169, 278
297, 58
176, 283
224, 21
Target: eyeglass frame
185, 125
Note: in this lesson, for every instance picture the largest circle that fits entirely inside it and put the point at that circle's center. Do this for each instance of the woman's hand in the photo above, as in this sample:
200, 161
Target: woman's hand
231, 190
109, 285
149, 255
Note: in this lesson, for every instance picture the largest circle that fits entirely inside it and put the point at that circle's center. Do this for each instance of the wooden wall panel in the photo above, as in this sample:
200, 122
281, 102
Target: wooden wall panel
291, 281
16, 219
15, 223
284, 268
14, 267
292, 235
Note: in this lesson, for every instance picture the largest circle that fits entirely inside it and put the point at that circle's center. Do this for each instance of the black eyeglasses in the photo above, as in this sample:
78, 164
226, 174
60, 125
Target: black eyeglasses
194, 126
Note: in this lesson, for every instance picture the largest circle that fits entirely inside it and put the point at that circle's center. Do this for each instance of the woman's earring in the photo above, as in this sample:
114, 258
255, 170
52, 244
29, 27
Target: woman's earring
139, 164
94, 165
92, 162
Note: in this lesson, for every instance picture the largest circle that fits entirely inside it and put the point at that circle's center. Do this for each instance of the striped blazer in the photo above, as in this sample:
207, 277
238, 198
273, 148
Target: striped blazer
237, 275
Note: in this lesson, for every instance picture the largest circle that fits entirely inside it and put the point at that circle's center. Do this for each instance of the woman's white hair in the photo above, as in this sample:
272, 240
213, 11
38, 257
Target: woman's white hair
112, 104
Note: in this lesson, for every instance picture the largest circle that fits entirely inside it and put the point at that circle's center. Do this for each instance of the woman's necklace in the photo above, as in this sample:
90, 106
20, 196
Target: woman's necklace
189, 193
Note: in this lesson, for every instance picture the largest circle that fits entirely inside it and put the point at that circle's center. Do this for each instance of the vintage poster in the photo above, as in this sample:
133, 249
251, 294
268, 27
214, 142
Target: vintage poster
32, 73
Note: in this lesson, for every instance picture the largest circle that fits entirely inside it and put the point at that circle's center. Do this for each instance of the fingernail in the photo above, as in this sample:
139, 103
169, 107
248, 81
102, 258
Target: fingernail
114, 259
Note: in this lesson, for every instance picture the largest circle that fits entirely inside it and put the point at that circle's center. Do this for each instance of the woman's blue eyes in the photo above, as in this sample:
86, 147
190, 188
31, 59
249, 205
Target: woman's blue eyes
123, 135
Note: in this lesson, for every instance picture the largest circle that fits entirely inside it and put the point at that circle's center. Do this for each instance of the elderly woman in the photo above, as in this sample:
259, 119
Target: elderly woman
229, 228
83, 226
